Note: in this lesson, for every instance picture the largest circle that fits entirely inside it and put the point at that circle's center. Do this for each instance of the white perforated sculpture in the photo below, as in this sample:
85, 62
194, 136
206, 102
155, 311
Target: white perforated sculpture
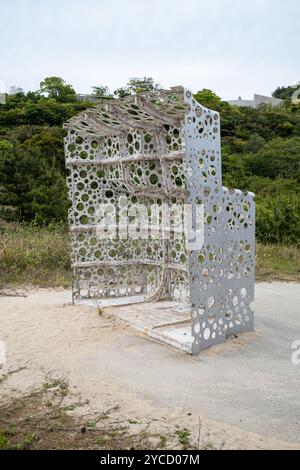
159, 150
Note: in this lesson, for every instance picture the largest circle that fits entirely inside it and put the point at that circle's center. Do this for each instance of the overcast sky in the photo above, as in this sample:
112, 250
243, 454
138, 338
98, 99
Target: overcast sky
234, 47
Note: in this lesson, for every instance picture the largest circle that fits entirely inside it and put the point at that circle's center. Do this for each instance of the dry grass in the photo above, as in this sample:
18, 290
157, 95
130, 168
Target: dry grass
277, 262
34, 255
40, 256
51, 417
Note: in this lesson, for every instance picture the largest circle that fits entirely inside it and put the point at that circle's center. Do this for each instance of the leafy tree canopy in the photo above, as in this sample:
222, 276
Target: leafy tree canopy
210, 100
139, 85
101, 92
285, 93
57, 88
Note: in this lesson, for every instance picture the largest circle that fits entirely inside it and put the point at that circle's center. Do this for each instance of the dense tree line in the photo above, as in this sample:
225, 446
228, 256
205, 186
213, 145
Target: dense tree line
261, 153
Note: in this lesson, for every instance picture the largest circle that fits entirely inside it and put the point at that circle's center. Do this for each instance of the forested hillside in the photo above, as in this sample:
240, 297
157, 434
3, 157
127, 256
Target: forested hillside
261, 153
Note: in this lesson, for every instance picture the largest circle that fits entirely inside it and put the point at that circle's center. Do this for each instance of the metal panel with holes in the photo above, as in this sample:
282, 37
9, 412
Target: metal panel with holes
158, 151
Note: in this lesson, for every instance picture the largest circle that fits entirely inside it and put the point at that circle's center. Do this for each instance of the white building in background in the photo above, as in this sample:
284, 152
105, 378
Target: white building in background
257, 101
87, 97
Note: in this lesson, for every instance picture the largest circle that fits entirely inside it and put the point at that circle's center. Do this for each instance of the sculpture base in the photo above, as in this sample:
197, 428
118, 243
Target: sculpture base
165, 321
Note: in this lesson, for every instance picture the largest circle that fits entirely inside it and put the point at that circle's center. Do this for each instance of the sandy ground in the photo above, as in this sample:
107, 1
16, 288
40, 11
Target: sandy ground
110, 364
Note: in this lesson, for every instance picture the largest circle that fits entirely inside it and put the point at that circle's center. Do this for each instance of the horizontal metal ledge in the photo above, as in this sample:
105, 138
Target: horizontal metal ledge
90, 264
94, 228
140, 158
152, 192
